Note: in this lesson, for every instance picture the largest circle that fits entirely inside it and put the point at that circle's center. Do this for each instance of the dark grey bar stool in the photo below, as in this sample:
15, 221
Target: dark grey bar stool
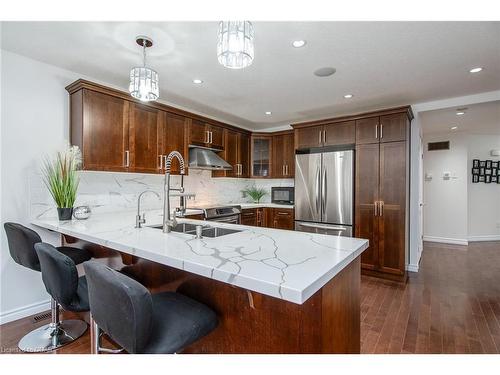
141, 322
61, 281
21, 242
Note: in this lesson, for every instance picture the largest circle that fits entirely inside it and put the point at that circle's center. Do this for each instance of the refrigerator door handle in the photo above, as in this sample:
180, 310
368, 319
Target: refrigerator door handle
343, 229
324, 194
318, 187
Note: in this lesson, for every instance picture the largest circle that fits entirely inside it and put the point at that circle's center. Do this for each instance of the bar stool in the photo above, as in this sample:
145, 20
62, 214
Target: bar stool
141, 322
21, 242
61, 281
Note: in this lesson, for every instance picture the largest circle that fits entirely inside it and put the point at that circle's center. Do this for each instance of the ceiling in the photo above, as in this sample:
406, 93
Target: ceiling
482, 118
382, 63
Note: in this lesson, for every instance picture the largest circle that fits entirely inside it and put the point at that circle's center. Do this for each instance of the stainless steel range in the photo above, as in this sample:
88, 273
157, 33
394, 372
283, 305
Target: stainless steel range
224, 214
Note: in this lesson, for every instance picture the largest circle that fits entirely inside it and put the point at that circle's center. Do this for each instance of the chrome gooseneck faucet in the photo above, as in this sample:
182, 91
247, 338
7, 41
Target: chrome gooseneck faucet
141, 219
168, 222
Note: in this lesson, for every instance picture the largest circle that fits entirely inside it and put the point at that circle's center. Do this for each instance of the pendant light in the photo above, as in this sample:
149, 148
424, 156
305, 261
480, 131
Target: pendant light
235, 44
143, 80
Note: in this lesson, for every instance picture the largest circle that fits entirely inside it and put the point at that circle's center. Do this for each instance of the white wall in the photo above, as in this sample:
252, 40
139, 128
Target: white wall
483, 199
456, 210
445, 201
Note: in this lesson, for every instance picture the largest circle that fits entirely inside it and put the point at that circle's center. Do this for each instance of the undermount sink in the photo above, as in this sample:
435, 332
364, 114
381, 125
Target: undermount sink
207, 231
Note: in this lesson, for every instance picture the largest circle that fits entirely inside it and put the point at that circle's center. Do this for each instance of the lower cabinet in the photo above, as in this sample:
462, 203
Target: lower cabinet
278, 218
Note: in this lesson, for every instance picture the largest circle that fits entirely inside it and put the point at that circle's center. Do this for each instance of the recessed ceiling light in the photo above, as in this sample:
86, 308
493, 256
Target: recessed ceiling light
324, 72
269, 113
299, 43
348, 96
197, 81
475, 70
454, 127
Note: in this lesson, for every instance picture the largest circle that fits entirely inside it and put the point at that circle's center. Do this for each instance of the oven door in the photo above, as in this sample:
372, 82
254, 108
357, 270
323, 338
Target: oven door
233, 219
329, 229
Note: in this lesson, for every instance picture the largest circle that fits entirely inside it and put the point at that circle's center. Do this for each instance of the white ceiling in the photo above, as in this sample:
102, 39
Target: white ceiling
482, 118
382, 63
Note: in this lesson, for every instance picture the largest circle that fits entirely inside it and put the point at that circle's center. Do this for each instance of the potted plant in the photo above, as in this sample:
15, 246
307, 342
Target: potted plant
255, 193
61, 178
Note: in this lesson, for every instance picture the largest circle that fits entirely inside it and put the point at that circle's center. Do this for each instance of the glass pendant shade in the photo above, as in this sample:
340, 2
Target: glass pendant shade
144, 84
235, 44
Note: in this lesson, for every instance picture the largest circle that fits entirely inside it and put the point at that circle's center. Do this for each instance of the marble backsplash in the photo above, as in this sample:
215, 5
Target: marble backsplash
114, 191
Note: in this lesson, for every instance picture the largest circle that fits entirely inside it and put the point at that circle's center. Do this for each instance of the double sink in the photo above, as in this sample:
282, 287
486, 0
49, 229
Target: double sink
207, 231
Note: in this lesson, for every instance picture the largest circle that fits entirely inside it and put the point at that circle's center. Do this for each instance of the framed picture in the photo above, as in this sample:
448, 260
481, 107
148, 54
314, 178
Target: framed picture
475, 178
482, 163
475, 163
494, 165
487, 171
488, 163
482, 178
487, 179
475, 170
494, 179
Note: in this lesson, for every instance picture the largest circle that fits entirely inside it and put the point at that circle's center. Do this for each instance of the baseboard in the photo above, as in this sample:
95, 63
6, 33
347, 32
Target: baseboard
412, 267
451, 241
494, 237
23, 312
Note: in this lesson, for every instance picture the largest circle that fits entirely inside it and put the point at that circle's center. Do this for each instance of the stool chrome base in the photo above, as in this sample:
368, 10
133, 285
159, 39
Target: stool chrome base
53, 335
50, 336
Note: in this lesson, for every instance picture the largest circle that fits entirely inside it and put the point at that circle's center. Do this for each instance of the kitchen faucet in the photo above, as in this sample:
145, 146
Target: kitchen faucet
138, 218
168, 222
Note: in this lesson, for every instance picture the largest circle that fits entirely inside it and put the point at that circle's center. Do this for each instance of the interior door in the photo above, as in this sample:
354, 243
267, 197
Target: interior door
366, 194
145, 138
308, 187
337, 187
392, 215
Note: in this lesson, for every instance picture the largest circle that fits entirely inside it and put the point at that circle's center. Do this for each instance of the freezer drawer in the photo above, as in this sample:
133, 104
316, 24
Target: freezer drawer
329, 229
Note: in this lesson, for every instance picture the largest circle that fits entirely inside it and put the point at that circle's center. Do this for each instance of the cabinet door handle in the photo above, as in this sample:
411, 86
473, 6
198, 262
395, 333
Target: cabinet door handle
207, 137
376, 208
324, 136
127, 158
376, 131
381, 131
211, 137
381, 208
320, 136
161, 162
283, 213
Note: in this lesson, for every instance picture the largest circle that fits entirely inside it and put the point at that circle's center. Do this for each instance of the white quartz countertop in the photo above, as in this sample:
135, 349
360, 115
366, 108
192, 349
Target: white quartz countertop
270, 205
284, 264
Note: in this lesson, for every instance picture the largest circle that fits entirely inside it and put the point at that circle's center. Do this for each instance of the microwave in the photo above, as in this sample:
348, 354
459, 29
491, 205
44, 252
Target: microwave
283, 195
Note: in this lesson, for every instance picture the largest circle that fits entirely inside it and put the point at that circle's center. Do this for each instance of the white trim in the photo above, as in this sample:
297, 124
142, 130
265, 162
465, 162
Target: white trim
412, 267
23, 312
493, 237
452, 241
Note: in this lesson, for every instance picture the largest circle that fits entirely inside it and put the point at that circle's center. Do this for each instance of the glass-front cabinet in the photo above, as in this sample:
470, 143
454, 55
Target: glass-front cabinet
261, 156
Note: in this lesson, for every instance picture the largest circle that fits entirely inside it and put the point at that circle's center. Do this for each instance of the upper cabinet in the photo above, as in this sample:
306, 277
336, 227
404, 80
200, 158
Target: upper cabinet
283, 155
100, 127
261, 151
206, 135
334, 134
174, 138
236, 152
381, 129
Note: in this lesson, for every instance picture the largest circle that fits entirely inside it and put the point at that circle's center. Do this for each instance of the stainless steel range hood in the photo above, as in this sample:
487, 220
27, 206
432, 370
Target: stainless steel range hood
206, 158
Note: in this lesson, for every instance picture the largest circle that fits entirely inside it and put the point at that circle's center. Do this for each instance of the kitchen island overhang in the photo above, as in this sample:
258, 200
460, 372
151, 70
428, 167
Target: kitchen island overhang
258, 280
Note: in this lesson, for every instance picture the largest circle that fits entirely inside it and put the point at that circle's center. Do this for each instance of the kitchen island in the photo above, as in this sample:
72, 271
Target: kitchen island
275, 291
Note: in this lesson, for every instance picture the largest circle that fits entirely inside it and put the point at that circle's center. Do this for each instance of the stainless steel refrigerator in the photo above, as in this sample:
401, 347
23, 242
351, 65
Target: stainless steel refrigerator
324, 192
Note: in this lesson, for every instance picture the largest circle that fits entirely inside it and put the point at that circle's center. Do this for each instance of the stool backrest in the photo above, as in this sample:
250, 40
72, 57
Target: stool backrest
120, 306
21, 245
59, 274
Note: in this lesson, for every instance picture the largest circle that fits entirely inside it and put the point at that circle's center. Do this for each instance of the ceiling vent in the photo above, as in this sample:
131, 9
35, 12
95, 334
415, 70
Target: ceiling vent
437, 146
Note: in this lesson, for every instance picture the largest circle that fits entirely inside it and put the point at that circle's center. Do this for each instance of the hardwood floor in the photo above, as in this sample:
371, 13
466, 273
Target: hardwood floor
451, 306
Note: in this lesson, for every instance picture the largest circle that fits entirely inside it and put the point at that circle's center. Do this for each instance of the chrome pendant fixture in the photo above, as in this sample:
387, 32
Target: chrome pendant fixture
144, 84
235, 44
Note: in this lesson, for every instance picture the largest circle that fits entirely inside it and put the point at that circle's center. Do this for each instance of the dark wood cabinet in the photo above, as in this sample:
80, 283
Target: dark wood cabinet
333, 134
145, 133
249, 217
206, 135
261, 154
100, 127
236, 152
381, 194
380, 129
256, 217
244, 155
339, 133
283, 156
309, 137
174, 138
282, 218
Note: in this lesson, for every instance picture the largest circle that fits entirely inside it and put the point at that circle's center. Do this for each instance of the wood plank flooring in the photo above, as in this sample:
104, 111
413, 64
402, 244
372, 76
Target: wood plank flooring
451, 306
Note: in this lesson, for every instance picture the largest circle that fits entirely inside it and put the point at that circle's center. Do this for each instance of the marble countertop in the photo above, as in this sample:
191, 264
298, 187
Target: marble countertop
284, 264
270, 205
